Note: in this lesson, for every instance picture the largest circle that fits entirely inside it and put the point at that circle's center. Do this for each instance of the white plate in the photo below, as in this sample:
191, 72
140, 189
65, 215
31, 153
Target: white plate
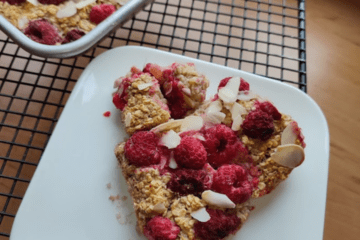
68, 197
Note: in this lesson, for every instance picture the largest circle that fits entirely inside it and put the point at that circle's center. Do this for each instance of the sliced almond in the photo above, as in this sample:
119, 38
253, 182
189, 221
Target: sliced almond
128, 118
187, 91
229, 92
215, 117
192, 123
217, 199
246, 95
83, 3
199, 136
22, 22
201, 215
237, 123
68, 10
144, 85
288, 136
215, 106
118, 82
159, 208
170, 139
289, 155
33, 2
172, 164
171, 124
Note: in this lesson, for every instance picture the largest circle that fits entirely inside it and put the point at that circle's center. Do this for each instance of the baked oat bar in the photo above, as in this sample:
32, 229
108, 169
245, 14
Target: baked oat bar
155, 94
194, 178
274, 140
55, 22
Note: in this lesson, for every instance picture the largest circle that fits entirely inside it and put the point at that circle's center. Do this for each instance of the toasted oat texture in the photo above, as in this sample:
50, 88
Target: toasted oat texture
26, 11
145, 108
151, 197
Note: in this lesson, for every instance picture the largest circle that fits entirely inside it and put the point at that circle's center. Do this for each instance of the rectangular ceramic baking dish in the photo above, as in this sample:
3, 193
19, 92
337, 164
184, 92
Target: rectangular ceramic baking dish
83, 44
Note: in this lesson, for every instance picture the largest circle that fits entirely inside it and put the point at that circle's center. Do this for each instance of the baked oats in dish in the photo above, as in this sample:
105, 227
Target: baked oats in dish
194, 177
56, 22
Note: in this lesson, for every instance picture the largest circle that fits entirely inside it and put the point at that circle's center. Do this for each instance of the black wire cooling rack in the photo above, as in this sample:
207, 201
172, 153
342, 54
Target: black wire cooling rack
266, 37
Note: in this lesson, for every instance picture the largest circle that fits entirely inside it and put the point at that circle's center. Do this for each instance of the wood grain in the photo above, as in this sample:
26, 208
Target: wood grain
333, 56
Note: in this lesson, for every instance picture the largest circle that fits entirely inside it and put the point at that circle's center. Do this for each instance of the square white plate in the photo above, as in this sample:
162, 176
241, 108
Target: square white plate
68, 198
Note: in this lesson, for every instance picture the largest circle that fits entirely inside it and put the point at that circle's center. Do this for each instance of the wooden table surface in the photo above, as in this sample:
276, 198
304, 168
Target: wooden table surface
333, 67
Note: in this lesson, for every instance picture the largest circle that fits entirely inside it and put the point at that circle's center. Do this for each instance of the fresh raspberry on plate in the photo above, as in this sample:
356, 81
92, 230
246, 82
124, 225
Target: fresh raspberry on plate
232, 180
219, 226
73, 35
270, 109
160, 228
142, 149
190, 153
42, 31
55, 2
188, 181
100, 12
258, 124
244, 85
222, 146
13, 2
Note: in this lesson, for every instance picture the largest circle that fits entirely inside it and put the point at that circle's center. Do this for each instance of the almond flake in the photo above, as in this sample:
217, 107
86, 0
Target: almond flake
160, 208
170, 139
22, 22
215, 106
171, 124
83, 3
33, 2
201, 215
288, 136
199, 136
215, 117
187, 91
289, 155
217, 199
68, 10
237, 123
246, 95
128, 118
118, 82
144, 85
192, 123
229, 92
172, 164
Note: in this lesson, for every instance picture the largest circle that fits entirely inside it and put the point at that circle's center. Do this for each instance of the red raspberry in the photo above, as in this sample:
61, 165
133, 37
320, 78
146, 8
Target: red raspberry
219, 226
222, 146
13, 2
244, 85
55, 2
270, 109
100, 12
160, 228
120, 101
258, 124
142, 149
190, 153
232, 180
73, 35
42, 31
188, 181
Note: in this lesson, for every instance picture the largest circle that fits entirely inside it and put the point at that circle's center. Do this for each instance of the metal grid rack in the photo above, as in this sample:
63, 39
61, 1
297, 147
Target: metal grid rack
266, 37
